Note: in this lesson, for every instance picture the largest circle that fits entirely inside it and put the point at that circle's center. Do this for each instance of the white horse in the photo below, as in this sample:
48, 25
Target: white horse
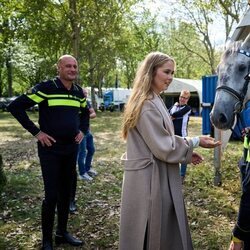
232, 88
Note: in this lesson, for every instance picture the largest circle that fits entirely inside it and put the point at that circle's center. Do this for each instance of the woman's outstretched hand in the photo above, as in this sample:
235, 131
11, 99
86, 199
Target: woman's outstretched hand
208, 142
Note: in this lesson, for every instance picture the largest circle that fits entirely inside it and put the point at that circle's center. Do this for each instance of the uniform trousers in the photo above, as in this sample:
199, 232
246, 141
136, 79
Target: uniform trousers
58, 164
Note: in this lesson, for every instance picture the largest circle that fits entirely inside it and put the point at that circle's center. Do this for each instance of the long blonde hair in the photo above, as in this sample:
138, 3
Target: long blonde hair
142, 88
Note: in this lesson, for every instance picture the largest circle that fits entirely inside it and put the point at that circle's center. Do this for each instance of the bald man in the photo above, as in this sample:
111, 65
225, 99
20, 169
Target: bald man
58, 135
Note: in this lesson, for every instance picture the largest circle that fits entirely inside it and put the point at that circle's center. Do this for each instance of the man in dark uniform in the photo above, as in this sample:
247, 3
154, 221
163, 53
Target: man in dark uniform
59, 134
241, 231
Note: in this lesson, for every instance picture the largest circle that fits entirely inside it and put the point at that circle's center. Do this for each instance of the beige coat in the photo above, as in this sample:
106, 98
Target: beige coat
152, 200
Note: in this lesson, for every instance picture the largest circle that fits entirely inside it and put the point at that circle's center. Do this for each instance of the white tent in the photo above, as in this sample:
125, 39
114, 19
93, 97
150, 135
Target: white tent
179, 84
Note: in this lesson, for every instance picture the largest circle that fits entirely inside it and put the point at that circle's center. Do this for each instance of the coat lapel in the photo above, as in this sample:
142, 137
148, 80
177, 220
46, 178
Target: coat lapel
160, 105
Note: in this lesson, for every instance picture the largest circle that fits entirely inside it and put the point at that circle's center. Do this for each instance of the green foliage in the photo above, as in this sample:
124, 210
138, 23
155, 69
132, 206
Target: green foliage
109, 38
183, 43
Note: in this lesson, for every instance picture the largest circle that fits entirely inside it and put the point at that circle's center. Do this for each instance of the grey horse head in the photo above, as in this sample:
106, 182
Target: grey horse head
232, 88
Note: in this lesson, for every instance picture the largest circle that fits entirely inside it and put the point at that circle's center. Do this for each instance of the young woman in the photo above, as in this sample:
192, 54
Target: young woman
152, 211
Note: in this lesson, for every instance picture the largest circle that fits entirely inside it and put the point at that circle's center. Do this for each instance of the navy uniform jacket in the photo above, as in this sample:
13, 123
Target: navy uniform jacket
59, 110
181, 114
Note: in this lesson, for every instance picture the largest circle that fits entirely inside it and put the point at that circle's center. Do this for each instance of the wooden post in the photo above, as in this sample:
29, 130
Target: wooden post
217, 159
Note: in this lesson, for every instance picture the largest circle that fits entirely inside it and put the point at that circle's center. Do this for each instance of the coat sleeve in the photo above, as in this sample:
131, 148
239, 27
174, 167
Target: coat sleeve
164, 145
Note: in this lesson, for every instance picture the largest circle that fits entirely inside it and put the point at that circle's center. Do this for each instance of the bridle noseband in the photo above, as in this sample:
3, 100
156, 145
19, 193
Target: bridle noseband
239, 96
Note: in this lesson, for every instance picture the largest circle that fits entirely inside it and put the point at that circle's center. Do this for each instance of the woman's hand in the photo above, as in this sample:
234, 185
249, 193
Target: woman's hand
208, 142
236, 246
196, 158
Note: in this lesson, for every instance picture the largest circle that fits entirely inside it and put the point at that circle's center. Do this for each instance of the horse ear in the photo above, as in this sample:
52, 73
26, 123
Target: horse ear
228, 43
246, 43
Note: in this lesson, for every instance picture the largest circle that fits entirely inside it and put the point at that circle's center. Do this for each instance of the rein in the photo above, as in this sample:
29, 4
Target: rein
239, 96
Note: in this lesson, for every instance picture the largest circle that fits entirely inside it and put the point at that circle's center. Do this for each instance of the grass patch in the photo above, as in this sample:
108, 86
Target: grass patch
211, 210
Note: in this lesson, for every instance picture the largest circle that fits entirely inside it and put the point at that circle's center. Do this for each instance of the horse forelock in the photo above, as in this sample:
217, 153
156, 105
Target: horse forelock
231, 50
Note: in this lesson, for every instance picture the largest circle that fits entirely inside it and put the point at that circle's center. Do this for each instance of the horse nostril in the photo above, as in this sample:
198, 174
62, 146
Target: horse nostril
222, 118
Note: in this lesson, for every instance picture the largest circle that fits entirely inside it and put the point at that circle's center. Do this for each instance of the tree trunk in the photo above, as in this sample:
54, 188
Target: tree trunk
93, 100
1, 82
9, 73
91, 80
75, 26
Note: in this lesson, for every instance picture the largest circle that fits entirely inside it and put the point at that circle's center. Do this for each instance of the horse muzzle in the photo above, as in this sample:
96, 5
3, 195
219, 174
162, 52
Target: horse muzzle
221, 119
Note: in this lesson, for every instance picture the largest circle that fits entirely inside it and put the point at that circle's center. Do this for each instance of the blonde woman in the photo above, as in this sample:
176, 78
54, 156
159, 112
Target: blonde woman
152, 211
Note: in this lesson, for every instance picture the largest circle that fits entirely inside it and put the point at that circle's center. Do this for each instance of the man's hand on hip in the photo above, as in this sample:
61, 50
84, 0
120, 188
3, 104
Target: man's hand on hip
45, 139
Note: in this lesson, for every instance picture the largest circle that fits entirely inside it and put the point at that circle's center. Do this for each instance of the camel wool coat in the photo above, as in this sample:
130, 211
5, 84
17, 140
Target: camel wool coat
153, 215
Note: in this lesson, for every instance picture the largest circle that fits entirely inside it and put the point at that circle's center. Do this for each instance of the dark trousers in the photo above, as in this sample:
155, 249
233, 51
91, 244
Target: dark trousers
58, 164
73, 187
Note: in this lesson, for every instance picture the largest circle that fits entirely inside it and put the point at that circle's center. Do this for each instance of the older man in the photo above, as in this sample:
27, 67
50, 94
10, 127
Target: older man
180, 112
59, 133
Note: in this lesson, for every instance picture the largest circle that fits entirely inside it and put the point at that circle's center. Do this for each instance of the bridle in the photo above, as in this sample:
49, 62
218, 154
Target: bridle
239, 96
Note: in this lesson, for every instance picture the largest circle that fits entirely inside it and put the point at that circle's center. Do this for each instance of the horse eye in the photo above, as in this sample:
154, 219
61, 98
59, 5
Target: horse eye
242, 68
227, 53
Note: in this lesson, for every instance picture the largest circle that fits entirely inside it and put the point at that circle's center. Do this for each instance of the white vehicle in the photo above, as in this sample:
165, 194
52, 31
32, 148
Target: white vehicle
115, 99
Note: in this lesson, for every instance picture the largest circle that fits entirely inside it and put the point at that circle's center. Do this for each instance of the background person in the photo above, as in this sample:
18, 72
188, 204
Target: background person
87, 149
152, 209
180, 112
85, 156
59, 133
241, 231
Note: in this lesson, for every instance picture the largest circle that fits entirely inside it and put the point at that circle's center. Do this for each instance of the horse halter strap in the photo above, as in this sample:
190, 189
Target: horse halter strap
239, 96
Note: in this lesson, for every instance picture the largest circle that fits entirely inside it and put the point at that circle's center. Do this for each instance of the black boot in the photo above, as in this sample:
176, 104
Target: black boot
47, 245
65, 237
